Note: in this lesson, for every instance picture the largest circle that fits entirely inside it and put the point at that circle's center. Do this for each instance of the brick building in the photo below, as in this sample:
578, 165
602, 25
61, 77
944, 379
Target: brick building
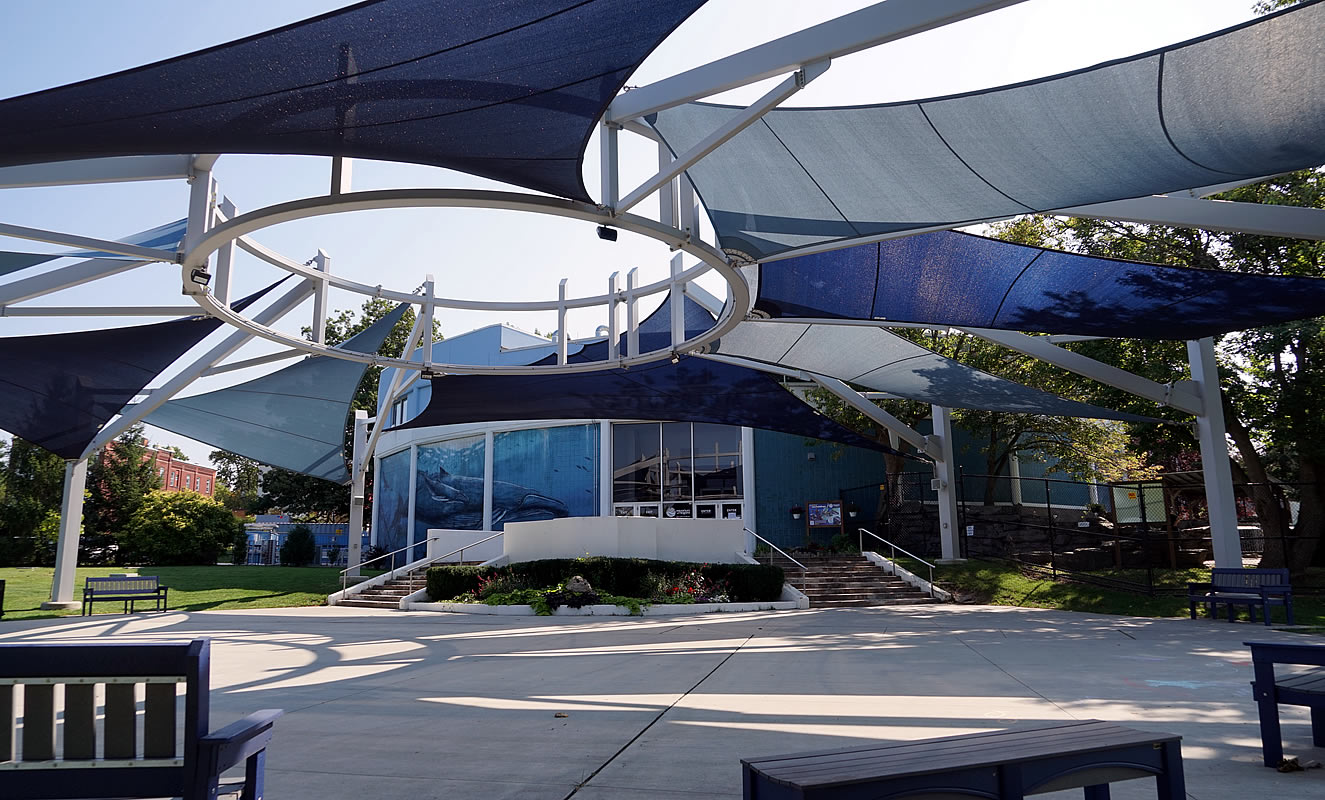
181, 476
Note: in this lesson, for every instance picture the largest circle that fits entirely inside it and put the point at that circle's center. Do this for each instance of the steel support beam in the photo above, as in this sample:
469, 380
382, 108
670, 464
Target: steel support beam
945, 474
87, 242
1178, 395
1215, 467
252, 362
853, 398
64, 278
774, 97
1291, 222
66, 548
119, 169
322, 263
860, 30
98, 311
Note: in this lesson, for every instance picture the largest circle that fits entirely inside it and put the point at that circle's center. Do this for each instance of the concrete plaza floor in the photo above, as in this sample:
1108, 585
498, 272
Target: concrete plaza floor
418, 705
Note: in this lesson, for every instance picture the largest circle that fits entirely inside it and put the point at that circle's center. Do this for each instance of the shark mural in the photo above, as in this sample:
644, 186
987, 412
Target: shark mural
455, 501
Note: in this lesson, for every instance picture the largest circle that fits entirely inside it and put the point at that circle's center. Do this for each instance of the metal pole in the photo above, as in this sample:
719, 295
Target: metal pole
1145, 538
359, 454
1053, 552
66, 549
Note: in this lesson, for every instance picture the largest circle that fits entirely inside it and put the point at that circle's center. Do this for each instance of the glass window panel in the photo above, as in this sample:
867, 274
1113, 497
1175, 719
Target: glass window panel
449, 491
391, 500
544, 473
718, 472
636, 473
678, 483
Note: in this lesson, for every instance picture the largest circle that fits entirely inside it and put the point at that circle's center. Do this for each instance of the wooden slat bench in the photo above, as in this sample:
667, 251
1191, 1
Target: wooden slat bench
1299, 689
129, 589
1000, 764
108, 760
1235, 586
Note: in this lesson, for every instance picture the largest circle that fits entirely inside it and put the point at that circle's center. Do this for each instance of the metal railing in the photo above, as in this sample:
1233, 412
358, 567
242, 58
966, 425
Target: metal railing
892, 558
804, 570
344, 574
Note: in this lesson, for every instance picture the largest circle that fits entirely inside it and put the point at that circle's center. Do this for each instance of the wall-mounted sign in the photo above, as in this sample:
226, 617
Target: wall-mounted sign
825, 515
679, 511
731, 510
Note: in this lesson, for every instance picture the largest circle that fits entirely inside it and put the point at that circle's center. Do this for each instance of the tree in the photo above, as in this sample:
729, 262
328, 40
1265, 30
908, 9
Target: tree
178, 528
299, 548
306, 498
119, 477
177, 454
238, 480
31, 486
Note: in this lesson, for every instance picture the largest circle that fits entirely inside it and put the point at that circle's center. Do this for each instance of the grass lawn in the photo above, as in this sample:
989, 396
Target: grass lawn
1005, 584
191, 588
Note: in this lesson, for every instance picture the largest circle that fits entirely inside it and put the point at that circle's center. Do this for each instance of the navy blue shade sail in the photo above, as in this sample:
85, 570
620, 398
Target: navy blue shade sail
293, 418
953, 278
57, 390
691, 390
163, 237
504, 90
1238, 104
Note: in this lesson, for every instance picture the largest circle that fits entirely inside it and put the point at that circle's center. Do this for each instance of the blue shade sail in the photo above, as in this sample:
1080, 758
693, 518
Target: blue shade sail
951, 278
885, 362
293, 418
1242, 103
691, 390
57, 390
505, 90
164, 237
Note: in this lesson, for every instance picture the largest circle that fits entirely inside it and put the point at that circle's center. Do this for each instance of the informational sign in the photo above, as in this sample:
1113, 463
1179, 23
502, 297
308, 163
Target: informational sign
731, 510
825, 515
970, 530
706, 511
625, 511
648, 511
679, 511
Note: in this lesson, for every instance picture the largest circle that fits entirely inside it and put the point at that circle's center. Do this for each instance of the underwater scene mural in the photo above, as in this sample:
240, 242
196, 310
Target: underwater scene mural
448, 489
391, 500
545, 473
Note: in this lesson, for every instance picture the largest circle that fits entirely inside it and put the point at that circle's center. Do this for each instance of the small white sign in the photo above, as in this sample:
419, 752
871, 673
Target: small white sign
1083, 524
970, 530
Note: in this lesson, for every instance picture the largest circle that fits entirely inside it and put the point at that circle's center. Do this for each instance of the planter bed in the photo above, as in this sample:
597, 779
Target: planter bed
653, 610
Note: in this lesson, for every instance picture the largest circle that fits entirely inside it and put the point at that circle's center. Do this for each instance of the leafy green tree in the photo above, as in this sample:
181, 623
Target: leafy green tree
179, 528
238, 480
31, 486
299, 548
305, 498
119, 477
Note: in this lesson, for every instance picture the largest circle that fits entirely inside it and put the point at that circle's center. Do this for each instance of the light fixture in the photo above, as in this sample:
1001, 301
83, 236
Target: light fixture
606, 234
200, 276
676, 358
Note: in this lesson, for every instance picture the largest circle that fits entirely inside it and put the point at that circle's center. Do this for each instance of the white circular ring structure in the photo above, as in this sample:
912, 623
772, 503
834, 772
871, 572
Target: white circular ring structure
234, 229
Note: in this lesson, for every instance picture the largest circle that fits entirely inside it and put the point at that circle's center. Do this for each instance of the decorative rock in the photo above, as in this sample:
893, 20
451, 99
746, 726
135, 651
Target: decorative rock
578, 585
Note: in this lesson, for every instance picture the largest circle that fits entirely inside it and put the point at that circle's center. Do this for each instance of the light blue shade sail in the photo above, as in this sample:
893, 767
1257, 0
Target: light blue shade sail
57, 390
164, 237
951, 278
1242, 103
293, 418
885, 362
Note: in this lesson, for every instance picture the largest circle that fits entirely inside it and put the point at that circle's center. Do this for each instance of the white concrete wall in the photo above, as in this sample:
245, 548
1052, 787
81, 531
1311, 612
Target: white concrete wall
444, 540
710, 541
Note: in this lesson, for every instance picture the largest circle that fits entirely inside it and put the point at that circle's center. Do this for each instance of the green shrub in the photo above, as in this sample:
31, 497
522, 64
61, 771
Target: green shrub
299, 548
623, 577
178, 529
239, 555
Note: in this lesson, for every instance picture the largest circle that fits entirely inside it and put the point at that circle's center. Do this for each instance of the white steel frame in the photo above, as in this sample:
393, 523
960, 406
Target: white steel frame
214, 228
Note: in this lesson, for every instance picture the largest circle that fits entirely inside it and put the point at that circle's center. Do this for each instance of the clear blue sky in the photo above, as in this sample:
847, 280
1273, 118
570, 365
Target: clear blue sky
485, 254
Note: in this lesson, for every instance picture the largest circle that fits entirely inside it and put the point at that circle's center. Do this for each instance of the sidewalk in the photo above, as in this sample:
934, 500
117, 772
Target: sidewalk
398, 705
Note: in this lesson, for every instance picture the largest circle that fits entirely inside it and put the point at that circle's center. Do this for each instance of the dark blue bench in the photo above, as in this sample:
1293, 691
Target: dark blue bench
1235, 586
128, 588
32, 767
1299, 689
1001, 765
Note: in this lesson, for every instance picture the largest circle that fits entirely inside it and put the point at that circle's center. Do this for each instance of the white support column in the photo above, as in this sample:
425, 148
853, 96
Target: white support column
413, 492
71, 524
945, 472
488, 470
632, 313
613, 335
342, 170
377, 515
605, 469
202, 187
225, 258
562, 337
607, 161
428, 311
748, 491
666, 192
1014, 471
1214, 455
358, 458
322, 263
677, 303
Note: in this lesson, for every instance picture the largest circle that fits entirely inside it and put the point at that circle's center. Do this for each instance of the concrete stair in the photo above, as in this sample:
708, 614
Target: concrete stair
388, 594
843, 580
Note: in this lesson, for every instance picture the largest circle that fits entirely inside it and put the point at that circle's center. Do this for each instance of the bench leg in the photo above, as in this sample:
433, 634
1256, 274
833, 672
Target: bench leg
1097, 792
1288, 609
1272, 745
1265, 609
253, 776
1231, 612
1318, 726
1191, 606
1171, 783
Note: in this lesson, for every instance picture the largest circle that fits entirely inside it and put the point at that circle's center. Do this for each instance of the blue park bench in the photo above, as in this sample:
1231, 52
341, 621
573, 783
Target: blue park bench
129, 588
1235, 586
1000, 765
34, 768
1298, 689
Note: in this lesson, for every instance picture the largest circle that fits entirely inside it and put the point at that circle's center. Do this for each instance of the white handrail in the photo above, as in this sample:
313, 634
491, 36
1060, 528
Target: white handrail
345, 572
893, 559
804, 570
